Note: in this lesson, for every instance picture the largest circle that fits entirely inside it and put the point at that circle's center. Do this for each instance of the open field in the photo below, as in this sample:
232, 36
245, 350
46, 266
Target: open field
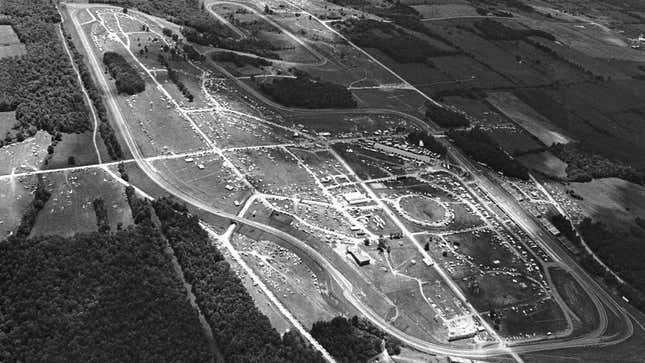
78, 146
26, 155
275, 171
16, 195
69, 210
613, 201
546, 163
7, 121
576, 298
205, 177
231, 130
289, 276
10, 45
528, 118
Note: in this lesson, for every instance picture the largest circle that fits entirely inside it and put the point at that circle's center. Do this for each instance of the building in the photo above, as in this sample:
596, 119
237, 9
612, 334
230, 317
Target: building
404, 153
355, 198
360, 257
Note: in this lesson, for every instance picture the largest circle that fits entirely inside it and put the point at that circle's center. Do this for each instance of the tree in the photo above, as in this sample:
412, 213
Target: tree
71, 160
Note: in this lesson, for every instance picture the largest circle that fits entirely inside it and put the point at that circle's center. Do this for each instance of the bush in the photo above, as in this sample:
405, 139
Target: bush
127, 78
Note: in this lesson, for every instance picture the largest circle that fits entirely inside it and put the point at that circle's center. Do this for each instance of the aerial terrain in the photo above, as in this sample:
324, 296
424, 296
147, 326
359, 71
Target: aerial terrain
322, 181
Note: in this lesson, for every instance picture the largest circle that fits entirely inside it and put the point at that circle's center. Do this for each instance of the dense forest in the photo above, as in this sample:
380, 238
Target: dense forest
397, 44
95, 298
482, 148
241, 331
105, 129
305, 92
353, 340
445, 117
429, 142
584, 165
41, 85
494, 30
127, 78
239, 60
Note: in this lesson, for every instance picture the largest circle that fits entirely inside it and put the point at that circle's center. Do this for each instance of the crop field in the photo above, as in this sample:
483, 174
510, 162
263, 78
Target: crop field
24, 156
229, 130
536, 124
69, 209
403, 100
206, 178
16, 195
275, 171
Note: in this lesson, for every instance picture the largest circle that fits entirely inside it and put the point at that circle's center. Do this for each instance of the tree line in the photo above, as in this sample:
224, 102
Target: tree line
241, 331
482, 148
445, 117
395, 43
353, 340
429, 142
621, 252
127, 78
40, 86
306, 92
105, 129
494, 30
174, 77
41, 196
583, 165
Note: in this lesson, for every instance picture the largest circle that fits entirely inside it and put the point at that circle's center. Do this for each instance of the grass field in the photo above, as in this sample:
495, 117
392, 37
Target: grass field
24, 156
546, 163
7, 122
613, 201
274, 171
69, 210
424, 209
16, 196
10, 45
80, 147
212, 183
576, 298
